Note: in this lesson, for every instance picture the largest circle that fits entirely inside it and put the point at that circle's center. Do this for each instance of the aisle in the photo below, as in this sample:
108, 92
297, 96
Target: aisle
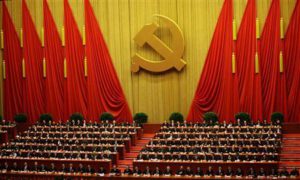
134, 151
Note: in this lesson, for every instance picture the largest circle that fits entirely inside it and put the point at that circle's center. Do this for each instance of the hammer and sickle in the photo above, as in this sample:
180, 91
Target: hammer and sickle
172, 57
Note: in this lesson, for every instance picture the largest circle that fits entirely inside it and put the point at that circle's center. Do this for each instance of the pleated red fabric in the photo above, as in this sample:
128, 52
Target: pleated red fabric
105, 93
292, 64
217, 88
249, 82
13, 84
34, 89
56, 99
74, 50
273, 82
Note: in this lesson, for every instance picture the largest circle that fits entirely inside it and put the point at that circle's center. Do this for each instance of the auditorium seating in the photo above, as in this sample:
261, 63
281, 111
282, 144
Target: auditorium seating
220, 146
94, 144
182, 151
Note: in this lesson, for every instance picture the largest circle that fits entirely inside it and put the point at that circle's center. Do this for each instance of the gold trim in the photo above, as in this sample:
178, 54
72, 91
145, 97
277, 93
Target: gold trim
21, 37
63, 41
85, 67
281, 62
65, 68
23, 68
83, 36
2, 39
281, 28
4, 69
44, 68
234, 35
256, 63
257, 28
233, 63
43, 37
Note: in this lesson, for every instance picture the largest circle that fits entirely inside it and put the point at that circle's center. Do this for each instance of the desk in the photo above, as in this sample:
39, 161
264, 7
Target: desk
89, 147
127, 141
106, 164
11, 129
44, 176
3, 137
204, 165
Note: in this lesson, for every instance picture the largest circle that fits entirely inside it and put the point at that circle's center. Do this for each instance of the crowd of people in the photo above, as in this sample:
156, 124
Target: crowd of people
75, 140
188, 171
223, 142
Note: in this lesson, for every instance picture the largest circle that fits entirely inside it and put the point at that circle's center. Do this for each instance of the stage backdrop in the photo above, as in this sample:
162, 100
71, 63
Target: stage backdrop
156, 94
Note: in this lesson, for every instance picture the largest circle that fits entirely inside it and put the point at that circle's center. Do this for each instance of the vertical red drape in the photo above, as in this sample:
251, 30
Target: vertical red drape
215, 91
292, 64
13, 85
105, 93
273, 82
249, 82
76, 82
34, 96
54, 56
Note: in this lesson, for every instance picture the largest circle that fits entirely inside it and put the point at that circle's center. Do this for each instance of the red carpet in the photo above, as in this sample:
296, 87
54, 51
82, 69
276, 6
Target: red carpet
134, 151
290, 151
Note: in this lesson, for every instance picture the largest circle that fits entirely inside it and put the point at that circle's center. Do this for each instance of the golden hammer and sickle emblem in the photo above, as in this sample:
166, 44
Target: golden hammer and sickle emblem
172, 57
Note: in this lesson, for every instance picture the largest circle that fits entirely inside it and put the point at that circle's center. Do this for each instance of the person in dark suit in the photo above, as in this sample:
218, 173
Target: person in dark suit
188, 171
147, 172
294, 173
251, 173
43, 168
210, 171
52, 168
284, 172
229, 172
71, 169
102, 171
36, 167
25, 168
199, 172
219, 172
181, 171
274, 172
137, 171
63, 168
168, 171
157, 172
90, 169
115, 170
128, 171
261, 172
15, 167
239, 172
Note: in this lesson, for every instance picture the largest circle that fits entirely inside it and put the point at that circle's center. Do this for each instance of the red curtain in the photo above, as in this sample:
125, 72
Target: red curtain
215, 91
104, 89
54, 56
273, 82
34, 96
76, 82
292, 64
249, 81
13, 86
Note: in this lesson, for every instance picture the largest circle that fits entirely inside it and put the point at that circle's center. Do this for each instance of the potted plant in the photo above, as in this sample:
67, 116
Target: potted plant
277, 118
211, 118
46, 118
106, 116
20, 118
140, 118
75, 117
177, 117
243, 117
